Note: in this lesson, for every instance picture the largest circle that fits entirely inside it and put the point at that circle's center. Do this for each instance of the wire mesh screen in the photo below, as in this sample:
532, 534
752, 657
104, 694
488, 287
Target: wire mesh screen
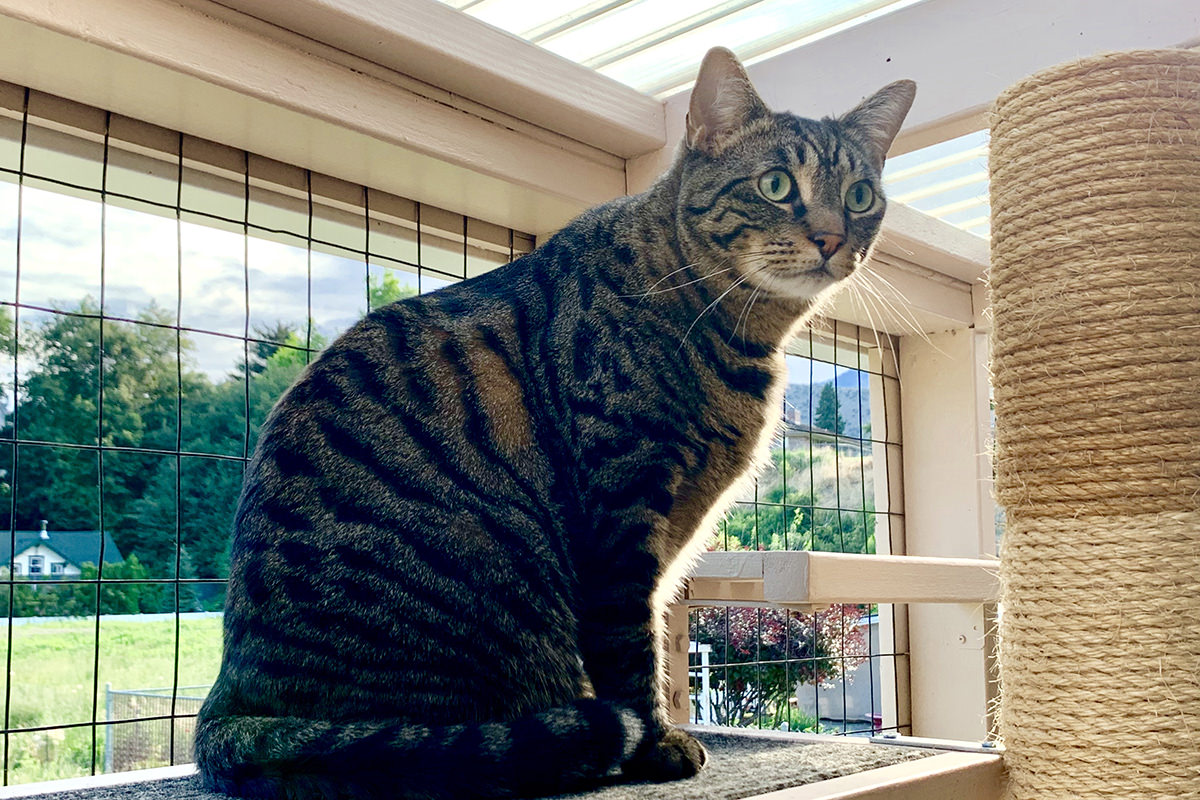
832, 483
157, 294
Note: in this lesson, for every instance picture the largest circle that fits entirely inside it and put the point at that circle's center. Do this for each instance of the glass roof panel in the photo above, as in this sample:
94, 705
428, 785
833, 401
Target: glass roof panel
948, 180
656, 45
631, 27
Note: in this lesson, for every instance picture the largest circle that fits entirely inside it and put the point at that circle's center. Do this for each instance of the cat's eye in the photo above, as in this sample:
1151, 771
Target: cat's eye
775, 185
860, 196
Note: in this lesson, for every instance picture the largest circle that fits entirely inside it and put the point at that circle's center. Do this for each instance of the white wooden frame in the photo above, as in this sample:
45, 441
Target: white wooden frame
215, 73
807, 581
439, 46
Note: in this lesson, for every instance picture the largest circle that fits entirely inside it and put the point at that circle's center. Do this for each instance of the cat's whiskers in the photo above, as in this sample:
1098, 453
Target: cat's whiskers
660, 280
744, 315
743, 319
869, 308
741, 279
900, 311
765, 290
653, 291
868, 302
893, 301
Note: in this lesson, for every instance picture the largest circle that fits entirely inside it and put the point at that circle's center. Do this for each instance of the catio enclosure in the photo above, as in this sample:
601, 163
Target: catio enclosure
195, 198
162, 291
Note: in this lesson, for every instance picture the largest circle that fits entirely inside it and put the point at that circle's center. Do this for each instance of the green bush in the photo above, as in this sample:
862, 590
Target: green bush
47, 598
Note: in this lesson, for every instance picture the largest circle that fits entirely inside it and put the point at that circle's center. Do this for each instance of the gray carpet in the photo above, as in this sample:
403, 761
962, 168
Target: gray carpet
744, 766
739, 766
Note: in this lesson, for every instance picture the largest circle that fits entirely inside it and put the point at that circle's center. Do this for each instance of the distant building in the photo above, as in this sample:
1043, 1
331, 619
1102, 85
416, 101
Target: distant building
55, 554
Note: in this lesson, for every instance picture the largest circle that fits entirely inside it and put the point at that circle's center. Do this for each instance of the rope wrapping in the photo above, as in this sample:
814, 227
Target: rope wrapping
1095, 280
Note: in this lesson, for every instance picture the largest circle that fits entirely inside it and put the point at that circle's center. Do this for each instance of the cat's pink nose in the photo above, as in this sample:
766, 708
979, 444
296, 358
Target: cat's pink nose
827, 243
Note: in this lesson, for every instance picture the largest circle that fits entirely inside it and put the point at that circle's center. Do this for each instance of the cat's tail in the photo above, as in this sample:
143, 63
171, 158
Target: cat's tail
291, 758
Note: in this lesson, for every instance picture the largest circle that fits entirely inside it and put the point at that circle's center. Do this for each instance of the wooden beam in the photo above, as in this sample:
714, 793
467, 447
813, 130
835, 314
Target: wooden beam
948, 513
240, 82
678, 698
801, 579
934, 244
443, 47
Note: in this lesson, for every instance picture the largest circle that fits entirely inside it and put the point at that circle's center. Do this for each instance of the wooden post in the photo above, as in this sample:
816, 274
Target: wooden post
677, 692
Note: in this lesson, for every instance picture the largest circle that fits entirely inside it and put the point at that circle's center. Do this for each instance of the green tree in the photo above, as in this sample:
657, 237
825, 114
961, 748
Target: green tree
209, 487
48, 599
828, 416
270, 337
788, 516
388, 289
61, 403
8, 345
291, 351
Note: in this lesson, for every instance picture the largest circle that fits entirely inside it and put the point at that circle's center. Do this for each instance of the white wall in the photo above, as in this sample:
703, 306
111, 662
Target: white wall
854, 698
48, 557
948, 512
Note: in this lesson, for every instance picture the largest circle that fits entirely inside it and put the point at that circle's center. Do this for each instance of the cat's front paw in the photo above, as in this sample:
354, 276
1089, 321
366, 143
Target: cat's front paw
676, 755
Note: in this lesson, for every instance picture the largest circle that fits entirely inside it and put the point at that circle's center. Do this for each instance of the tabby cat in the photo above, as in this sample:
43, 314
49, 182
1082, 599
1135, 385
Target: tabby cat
462, 522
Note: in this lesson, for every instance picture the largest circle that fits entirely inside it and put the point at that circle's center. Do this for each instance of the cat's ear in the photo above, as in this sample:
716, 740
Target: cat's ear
723, 101
876, 120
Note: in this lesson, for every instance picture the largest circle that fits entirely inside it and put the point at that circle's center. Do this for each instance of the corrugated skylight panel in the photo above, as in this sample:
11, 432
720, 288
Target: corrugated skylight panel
656, 45
947, 180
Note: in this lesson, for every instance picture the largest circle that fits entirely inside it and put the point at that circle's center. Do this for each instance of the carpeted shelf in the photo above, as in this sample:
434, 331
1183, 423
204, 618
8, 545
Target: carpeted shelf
739, 766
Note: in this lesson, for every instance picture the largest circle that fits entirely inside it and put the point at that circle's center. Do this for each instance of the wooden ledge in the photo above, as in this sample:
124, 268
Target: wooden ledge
801, 579
110, 781
947, 776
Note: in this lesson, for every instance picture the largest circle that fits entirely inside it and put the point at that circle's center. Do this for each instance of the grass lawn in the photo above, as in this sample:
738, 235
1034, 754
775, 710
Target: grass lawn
54, 670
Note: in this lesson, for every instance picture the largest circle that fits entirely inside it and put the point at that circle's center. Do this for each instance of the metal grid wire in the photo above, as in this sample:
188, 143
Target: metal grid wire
145, 270
832, 484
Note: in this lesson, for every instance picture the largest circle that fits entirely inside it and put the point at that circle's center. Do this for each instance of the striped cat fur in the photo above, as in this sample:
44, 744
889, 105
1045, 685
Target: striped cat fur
460, 525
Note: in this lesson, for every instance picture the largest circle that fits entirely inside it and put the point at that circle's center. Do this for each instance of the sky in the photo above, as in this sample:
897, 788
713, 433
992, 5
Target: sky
148, 257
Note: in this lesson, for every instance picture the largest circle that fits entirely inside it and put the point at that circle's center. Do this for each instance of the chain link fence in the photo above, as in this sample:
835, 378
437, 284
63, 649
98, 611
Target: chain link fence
150, 727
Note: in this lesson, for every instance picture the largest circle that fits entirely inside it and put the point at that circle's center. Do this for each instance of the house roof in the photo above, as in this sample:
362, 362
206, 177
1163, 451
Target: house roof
76, 547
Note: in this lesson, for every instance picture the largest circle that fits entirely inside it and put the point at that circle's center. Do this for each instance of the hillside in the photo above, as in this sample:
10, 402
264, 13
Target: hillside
798, 395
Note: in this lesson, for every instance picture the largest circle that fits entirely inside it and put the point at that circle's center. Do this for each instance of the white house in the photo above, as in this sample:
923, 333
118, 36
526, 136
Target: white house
55, 554
858, 699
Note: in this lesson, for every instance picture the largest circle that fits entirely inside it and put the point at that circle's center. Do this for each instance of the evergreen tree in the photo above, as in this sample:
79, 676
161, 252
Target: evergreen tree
828, 416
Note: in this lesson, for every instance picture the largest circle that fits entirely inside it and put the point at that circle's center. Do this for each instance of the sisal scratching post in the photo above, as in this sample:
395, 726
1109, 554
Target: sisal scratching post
1096, 365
